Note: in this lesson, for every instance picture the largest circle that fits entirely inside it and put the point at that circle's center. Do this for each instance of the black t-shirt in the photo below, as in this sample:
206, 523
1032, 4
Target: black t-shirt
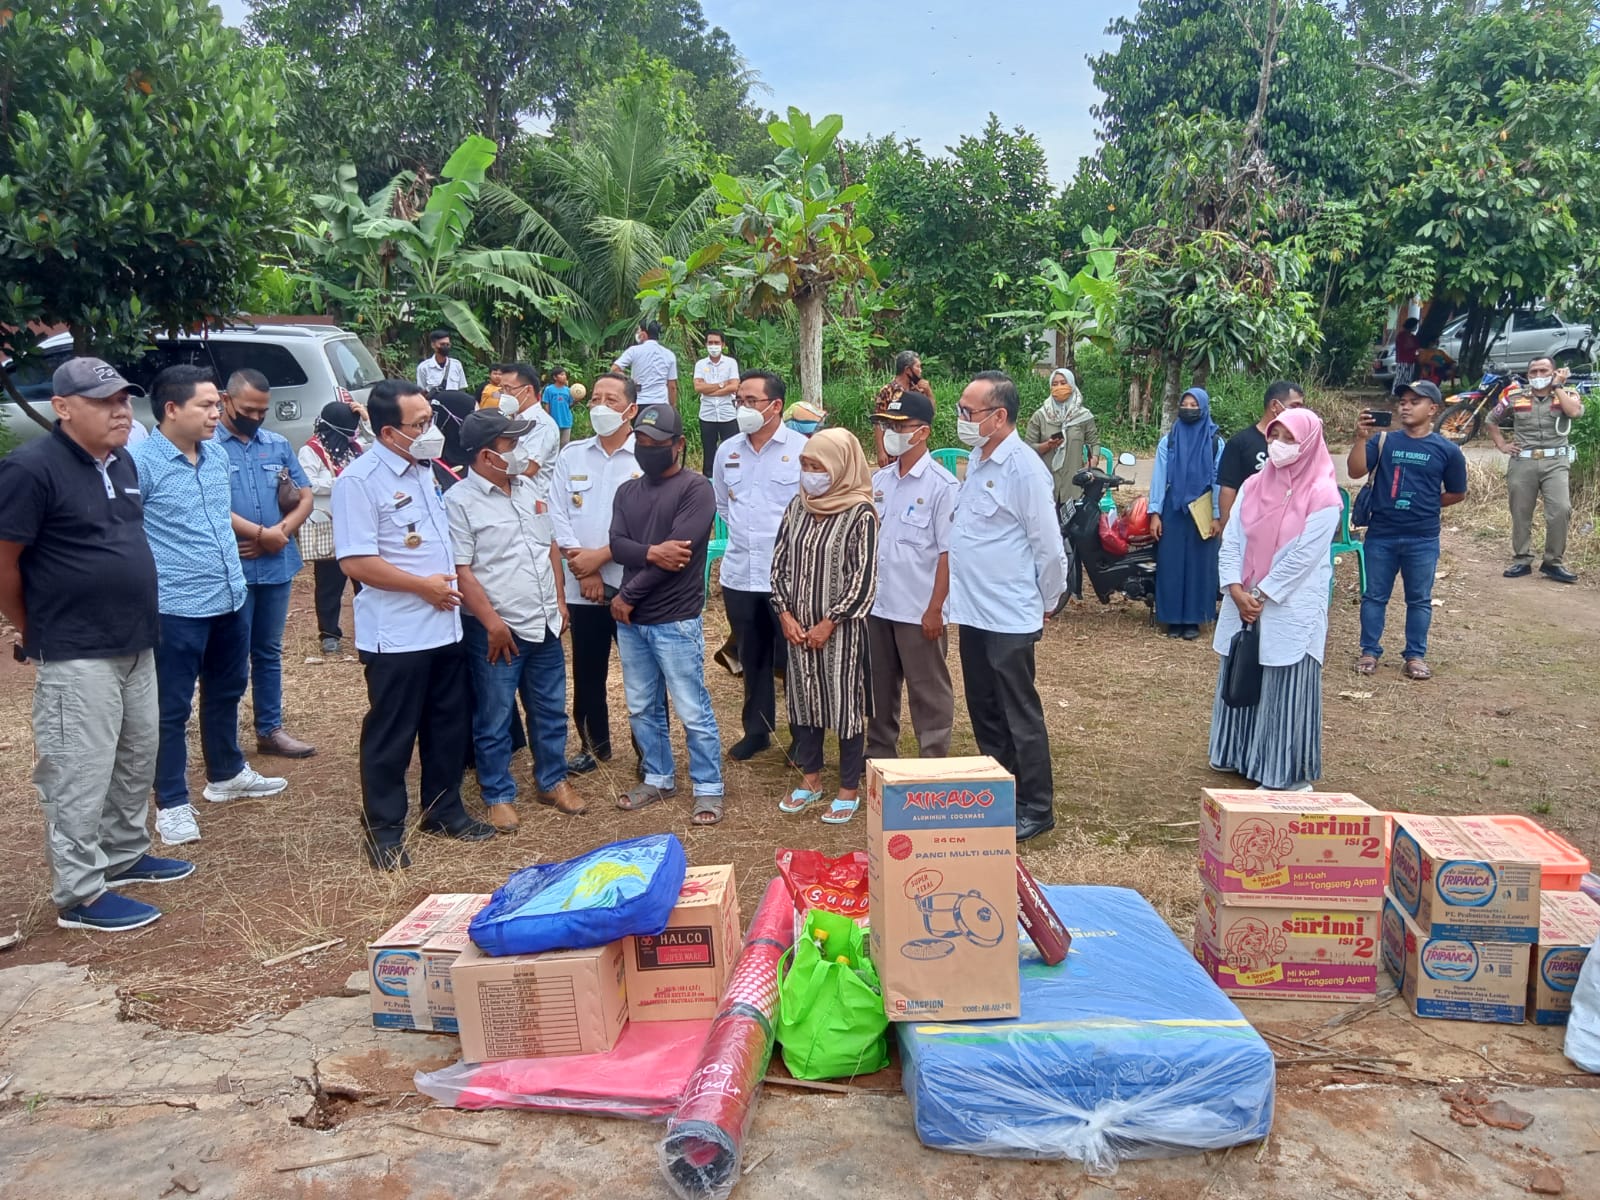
88, 578
646, 512
1242, 457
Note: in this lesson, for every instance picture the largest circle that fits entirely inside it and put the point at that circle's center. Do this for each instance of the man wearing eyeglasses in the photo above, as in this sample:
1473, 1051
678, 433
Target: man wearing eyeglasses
1008, 569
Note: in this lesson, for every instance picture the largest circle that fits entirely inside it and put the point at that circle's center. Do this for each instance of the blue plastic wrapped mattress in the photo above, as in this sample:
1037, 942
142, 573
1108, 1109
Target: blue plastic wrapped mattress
1126, 1050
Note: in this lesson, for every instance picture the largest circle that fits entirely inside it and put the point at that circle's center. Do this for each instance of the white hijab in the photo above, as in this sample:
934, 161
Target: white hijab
1064, 416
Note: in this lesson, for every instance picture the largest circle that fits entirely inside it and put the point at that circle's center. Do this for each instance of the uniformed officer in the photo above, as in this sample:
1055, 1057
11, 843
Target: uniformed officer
1540, 416
391, 536
915, 498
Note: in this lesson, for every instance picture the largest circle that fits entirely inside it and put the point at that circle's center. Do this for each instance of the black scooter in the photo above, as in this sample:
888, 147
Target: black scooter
1132, 573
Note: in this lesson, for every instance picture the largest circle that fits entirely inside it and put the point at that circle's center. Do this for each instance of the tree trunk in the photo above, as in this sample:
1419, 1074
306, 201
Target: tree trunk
1475, 341
1202, 373
1269, 52
1171, 390
16, 398
811, 305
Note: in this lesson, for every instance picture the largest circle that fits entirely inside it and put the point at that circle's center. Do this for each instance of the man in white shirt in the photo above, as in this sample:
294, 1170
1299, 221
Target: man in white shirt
439, 372
508, 565
716, 378
755, 476
520, 400
653, 367
583, 487
1007, 570
915, 498
391, 535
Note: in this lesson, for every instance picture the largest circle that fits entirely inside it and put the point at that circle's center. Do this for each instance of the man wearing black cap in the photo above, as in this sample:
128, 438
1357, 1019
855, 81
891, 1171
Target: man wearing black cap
1416, 473
78, 582
660, 527
515, 614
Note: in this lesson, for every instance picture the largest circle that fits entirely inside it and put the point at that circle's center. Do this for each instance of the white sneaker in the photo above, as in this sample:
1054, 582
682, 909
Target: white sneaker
175, 826
245, 784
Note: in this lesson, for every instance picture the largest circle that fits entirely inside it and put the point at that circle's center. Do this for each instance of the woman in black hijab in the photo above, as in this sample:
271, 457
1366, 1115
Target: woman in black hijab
449, 410
323, 458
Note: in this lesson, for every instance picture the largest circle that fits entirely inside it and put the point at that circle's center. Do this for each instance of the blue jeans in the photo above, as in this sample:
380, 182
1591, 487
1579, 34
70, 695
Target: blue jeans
539, 675
215, 651
673, 655
266, 607
1414, 559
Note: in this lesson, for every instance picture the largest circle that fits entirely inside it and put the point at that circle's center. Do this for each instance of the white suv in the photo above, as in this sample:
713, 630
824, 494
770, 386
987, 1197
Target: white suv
1518, 338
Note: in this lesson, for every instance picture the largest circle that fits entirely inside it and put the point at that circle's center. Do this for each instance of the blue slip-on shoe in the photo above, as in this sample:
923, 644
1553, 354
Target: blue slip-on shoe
109, 913
152, 869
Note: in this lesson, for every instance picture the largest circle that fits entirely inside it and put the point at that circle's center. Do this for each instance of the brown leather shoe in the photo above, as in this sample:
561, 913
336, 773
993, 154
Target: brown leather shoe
565, 799
502, 816
281, 745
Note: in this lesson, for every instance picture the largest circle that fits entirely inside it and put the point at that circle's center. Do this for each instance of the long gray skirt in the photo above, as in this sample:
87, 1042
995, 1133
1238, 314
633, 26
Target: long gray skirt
1278, 743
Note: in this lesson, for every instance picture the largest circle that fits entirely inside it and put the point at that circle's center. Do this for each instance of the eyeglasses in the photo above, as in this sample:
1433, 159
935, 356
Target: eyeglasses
414, 426
753, 402
967, 414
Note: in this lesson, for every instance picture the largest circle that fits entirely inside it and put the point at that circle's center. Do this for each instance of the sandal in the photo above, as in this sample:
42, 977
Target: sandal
840, 811
1366, 665
799, 800
707, 810
643, 796
1415, 668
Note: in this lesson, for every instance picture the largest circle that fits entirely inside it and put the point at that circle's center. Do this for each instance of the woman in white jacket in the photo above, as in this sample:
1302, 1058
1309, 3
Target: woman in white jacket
1274, 569
324, 459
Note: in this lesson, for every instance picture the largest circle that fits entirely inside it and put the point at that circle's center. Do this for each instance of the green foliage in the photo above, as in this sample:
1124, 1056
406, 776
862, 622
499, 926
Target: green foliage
137, 181
1075, 306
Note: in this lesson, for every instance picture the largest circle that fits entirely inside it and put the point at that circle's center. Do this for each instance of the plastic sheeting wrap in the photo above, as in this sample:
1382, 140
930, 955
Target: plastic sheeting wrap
1127, 1050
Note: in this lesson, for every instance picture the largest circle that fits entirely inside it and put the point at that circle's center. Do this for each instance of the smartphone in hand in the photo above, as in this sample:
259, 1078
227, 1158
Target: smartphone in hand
1379, 418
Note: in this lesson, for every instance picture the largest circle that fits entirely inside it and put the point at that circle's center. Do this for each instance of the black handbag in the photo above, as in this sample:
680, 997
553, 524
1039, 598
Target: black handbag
1241, 680
1361, 507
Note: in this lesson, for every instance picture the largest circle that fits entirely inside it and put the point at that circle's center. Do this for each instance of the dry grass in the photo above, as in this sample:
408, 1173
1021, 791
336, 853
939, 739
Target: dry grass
1485, 516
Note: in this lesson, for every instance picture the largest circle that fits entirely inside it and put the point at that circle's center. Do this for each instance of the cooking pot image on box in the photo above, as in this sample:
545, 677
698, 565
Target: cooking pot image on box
951, 915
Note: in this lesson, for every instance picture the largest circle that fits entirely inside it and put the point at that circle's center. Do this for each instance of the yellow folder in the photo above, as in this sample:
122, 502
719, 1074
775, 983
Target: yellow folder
1200, 510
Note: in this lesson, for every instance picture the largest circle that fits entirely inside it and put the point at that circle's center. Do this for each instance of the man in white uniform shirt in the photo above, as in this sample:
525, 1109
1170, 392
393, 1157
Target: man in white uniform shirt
583, 487
916, 499
756, 474
1007, 570
439, 372
519, 400
391, 535
653, 367
716, 378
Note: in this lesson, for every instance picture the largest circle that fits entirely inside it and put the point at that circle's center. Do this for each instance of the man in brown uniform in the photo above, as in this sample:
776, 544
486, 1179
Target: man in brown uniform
1540, 417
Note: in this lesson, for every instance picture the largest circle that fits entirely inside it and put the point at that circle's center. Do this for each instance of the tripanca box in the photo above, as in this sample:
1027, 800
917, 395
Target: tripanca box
1289, 952
1453, 978
1264, 847
679, 974
408, 968
533, 1005
1455, 886
1569, 923
942, 883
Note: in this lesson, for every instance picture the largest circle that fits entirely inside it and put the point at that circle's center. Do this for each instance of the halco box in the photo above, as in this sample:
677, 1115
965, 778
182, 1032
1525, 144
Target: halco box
1569, 923
533, 1005
679, 974
1287, 952
1454, 886
408, 968
942, 883
1452, 978
1259, 847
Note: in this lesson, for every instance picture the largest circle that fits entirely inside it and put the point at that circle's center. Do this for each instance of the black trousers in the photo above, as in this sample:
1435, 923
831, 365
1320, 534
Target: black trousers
712, 435
417, 698
1007, 718
593, 634
755, 627
808, 754
329, 580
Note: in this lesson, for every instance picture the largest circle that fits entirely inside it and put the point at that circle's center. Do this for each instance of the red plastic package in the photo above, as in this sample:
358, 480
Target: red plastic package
1139, 518
836, 885
1113, 534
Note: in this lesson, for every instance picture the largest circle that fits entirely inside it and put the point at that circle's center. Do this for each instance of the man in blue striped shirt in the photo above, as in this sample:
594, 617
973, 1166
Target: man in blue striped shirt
205, 630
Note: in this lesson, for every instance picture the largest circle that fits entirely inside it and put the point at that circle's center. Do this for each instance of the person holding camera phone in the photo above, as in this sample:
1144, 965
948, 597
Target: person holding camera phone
1417, 473
1540, 416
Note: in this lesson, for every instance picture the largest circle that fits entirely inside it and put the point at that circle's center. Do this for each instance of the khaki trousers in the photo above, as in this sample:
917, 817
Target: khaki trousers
1527, 479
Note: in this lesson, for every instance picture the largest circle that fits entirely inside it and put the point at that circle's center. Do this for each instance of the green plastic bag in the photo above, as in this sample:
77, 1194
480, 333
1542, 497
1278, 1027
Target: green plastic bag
831, 1021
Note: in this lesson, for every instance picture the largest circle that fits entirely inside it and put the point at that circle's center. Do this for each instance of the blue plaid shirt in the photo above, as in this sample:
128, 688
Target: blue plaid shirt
188, 521
254, 465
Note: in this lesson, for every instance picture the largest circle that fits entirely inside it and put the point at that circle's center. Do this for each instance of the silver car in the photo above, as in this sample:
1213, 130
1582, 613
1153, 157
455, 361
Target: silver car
1518, 337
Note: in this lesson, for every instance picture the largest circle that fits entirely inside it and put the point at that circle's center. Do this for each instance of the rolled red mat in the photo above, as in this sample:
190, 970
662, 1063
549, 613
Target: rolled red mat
1039, 920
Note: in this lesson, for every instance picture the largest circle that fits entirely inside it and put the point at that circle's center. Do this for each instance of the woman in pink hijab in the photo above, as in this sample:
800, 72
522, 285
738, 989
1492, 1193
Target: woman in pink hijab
1275, 569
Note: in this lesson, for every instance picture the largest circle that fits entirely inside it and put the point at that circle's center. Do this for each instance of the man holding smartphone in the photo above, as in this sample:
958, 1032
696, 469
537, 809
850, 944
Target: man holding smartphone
1540, 416
1417, 473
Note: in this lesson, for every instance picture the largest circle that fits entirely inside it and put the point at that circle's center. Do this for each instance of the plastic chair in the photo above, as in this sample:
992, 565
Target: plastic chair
716, 548
1345, 542
950, 459
1108, 502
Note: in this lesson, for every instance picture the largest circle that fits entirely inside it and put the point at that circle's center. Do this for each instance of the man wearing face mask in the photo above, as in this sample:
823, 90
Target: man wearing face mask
267, 547
1246, 451
1540, 418
716, 378
583, 490
519, 400
757, 473
915, 498
392, 536
439, 372
1008, 569
907, 378
515, 614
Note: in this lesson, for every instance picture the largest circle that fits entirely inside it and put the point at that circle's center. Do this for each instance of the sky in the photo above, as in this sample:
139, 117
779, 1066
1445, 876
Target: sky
926, 69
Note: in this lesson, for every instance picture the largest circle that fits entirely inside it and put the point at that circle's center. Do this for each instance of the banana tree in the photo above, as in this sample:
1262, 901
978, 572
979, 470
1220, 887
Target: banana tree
1077, 306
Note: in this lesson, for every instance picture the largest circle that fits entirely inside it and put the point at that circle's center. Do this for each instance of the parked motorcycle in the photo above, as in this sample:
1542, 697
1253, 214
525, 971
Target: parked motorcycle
1115, 562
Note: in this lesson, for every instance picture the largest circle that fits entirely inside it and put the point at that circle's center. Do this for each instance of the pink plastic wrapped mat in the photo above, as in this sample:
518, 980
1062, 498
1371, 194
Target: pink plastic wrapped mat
642, 1077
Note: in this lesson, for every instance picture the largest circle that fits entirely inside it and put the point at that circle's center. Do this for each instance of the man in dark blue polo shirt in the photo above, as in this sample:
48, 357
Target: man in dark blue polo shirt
78, 582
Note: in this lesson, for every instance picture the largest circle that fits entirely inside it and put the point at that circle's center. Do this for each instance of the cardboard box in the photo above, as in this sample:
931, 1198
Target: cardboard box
533, 1005
1453, 885
1452, 978
1289, 952
1319, 847
942, 883
679, 974
1569, 923
408, 968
